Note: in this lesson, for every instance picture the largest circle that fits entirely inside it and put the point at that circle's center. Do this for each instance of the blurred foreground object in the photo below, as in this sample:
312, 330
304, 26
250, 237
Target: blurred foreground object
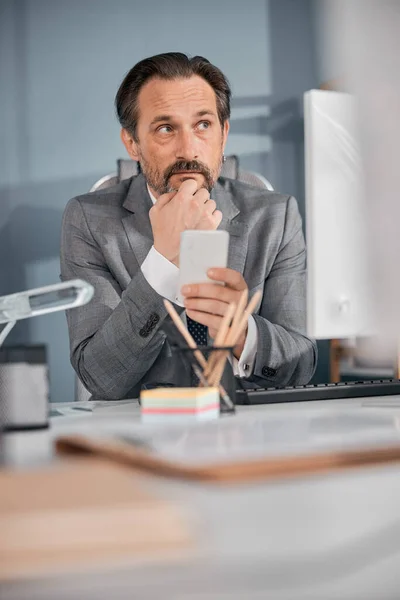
82, 514
365, 48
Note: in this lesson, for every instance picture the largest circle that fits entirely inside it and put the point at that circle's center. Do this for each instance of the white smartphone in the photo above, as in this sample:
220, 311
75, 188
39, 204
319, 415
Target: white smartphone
199, 252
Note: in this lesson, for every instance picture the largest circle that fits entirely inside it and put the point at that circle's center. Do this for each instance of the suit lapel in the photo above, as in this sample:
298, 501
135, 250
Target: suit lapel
237, 229
137, 224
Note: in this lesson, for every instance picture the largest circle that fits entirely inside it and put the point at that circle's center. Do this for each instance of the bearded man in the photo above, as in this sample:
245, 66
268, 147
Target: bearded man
174, 113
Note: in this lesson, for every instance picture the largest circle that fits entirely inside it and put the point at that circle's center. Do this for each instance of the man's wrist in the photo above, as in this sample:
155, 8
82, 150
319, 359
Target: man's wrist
172, 259
162, 275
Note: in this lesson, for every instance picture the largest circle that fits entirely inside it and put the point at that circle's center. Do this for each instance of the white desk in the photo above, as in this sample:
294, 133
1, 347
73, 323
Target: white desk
321, 537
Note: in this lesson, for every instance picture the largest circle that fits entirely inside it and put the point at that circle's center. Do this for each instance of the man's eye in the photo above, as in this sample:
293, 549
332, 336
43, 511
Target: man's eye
204, 125
164, 129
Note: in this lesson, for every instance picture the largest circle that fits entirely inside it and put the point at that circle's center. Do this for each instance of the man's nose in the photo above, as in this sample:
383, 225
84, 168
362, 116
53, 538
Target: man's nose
186, 148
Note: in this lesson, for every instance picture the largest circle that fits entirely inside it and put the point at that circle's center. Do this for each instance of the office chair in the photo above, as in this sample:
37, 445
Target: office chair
127, 168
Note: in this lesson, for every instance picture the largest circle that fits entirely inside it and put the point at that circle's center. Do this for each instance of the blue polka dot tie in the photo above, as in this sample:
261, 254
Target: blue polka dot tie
199, 334
197, 331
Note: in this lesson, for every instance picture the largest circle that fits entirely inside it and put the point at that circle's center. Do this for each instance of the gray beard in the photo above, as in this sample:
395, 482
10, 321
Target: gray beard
160, 183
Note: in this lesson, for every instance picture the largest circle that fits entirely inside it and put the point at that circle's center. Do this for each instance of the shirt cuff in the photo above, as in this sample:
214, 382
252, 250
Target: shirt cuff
245, 365
162, 275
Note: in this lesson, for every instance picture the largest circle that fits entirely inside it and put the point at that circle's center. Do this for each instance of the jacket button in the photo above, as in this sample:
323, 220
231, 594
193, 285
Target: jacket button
268, 372
152, 321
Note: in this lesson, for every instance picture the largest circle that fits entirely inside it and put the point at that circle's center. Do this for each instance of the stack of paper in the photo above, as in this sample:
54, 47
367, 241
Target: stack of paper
179, 404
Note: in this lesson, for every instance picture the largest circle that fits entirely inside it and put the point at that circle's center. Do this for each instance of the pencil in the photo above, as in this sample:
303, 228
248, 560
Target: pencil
185, 334
192, 344
236, 319
232, 338
220, 337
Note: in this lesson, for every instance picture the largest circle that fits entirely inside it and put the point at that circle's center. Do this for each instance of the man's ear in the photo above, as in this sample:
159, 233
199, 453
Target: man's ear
130, 144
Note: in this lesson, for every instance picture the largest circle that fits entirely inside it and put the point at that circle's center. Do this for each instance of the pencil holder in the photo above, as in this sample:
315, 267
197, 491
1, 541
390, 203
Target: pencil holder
219, 371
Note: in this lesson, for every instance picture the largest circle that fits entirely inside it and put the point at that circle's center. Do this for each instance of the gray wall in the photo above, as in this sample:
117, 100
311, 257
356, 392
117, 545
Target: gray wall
296, 44
60, 65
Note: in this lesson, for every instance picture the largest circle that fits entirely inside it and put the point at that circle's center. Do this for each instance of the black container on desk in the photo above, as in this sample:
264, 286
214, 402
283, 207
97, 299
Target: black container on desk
24, 388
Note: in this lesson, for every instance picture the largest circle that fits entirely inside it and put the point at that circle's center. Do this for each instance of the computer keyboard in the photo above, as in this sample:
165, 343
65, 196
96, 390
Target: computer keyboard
322, 391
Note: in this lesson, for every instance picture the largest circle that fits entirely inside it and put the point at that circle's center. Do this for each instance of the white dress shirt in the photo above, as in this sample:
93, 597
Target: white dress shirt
163, 276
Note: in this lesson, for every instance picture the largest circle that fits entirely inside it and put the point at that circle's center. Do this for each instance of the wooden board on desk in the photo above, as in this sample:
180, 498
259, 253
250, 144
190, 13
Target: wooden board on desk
82, 513
234, 471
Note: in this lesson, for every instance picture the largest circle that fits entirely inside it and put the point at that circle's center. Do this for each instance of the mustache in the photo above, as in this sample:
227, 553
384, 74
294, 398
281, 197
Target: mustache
188, 165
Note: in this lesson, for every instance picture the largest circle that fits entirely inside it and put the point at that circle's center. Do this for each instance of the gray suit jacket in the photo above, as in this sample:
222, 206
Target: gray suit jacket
117, 342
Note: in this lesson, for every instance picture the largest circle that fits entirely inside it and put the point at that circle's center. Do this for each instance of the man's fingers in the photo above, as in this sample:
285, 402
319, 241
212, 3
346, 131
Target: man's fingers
208, 290
210, 220
210, 207
165, 198
202, 195
231, 278
217, 218
186, 190
188, 187
207, 305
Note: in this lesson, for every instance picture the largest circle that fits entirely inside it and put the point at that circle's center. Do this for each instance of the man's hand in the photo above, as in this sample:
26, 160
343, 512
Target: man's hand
174, 212
207, 303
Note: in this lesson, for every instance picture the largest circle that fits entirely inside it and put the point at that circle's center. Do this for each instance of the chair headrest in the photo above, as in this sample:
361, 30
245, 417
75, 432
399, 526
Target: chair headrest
127, 168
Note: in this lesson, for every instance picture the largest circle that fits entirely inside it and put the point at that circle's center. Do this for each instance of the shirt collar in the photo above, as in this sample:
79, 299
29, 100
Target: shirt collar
153, 199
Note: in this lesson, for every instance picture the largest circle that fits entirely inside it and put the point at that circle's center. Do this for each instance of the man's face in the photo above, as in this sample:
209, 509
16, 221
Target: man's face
179, 134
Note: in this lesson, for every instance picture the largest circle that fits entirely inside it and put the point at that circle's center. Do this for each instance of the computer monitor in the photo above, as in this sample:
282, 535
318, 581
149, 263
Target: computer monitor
338, 302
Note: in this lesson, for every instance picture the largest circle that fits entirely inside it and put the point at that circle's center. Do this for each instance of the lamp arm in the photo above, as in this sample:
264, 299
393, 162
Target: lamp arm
6, 331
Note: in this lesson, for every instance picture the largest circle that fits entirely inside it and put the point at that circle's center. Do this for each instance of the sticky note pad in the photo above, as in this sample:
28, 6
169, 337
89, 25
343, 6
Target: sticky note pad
179, 404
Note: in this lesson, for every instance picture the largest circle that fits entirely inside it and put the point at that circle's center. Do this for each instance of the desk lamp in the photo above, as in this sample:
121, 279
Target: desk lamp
40, 301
